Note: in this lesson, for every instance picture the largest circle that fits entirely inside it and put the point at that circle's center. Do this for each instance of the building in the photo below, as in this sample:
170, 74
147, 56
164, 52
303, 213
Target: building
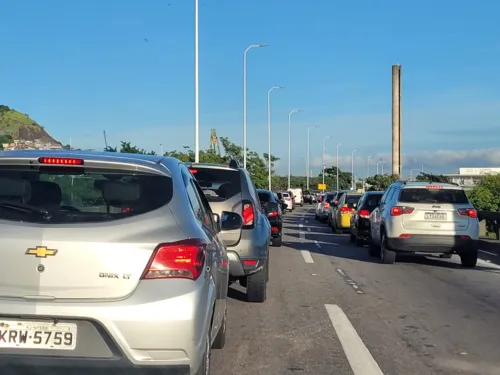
469, 177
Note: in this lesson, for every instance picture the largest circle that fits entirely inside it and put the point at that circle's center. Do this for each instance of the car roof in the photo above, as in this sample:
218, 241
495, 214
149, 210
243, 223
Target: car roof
156, 163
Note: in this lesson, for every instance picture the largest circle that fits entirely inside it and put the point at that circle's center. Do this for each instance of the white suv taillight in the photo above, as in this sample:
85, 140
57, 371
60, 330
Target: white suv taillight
177, 260
470, 212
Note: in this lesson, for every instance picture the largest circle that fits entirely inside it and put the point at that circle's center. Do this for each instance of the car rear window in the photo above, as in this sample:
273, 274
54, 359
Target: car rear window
372, 201
264, 197
434, 195
286, 195
65, 195
351, 200
330, 197
218, 184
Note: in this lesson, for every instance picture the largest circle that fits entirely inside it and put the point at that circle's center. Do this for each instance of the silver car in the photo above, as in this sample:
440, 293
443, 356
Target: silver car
109, 261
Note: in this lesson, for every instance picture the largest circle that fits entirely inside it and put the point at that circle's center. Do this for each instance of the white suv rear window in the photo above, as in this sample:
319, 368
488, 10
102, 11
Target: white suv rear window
433, 195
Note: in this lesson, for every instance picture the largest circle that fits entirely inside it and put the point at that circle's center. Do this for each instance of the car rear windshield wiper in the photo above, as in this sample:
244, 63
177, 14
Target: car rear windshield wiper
46, 214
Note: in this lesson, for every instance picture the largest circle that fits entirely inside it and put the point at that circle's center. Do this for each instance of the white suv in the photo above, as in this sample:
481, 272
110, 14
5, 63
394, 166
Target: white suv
424, 217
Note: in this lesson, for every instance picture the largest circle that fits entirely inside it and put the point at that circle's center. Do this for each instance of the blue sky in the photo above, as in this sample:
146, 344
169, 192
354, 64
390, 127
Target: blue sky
79, 67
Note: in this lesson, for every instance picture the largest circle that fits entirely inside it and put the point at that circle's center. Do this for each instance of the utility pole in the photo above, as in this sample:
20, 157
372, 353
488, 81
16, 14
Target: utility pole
396, 120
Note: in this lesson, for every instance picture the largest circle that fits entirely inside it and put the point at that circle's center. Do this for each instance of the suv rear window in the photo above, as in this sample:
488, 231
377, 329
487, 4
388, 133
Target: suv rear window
423, 195
62, 195
218, 184
329, 198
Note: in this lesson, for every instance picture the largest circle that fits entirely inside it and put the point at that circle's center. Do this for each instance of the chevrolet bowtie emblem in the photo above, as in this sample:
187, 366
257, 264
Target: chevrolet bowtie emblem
41, 252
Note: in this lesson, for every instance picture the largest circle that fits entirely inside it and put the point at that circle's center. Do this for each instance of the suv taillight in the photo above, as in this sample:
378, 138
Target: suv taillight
345, 210
177, 260
327, 205
248, 214
401, 210
470, 212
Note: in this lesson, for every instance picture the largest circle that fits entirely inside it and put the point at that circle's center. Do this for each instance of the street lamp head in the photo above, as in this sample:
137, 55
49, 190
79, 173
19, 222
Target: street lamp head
354, 150
262, 45
340, 144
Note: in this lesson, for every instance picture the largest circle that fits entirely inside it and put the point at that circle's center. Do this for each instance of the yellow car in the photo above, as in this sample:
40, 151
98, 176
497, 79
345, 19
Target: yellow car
341, 216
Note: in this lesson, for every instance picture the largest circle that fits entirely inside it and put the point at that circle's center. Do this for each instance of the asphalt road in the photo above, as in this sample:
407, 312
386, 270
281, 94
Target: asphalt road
331, 309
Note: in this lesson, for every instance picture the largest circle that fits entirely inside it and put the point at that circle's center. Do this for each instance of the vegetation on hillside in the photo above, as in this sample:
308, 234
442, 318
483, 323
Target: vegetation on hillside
17, 125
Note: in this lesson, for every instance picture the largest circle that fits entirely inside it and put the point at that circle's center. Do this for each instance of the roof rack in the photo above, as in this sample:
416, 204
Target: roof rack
234, 164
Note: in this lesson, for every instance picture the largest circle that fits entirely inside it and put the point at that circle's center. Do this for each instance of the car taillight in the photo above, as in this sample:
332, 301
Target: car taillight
327, 205
401, 210
470, 212
248, 214
60, 161
273, 214
126, 209
345, 210
364, 213
193, 171
335, 201
177, 260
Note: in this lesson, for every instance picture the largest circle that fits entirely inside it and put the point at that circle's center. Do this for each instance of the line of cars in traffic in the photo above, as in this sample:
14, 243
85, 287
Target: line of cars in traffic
407, 218
122, 261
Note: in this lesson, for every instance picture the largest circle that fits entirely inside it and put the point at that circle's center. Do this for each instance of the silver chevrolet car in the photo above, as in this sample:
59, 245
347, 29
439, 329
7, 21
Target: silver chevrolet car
109, 261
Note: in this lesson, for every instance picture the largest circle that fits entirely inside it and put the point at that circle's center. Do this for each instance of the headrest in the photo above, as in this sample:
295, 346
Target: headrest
114, 191
43, 191
10, 187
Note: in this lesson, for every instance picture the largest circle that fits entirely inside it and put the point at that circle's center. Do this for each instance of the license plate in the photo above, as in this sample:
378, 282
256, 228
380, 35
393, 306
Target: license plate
37, 335
435, 216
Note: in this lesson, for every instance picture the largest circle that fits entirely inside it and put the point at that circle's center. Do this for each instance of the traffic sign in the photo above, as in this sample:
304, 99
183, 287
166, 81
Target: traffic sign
321, 186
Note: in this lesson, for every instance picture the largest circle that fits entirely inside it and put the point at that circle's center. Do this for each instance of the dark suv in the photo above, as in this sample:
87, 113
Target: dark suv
272, 208
230, 188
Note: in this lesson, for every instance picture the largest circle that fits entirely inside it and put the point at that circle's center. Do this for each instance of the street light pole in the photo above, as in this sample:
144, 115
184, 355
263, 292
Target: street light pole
196, 87
368, 166
323, 158
378, 163
308, 156
352, 169
340, 144
245, 100
289, 143
269, 130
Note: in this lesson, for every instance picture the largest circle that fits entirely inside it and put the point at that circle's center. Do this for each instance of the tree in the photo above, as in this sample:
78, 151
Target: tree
485, 196
257, 165
381, 182
427, 177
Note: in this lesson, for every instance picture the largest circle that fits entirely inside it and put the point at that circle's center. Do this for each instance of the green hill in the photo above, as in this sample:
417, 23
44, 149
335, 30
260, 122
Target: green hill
17, 125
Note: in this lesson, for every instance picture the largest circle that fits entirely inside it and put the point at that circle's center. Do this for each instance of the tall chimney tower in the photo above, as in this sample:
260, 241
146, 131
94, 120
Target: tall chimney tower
397, 168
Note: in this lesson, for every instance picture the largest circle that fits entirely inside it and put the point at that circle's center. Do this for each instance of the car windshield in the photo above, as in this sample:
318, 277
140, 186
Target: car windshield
62, 195
218, 184
433, 195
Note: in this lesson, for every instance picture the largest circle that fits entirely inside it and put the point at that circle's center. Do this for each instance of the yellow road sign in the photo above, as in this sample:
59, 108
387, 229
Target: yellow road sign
321, 186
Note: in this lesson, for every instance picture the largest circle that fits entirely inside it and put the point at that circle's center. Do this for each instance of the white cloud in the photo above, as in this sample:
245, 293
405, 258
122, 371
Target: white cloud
441, 161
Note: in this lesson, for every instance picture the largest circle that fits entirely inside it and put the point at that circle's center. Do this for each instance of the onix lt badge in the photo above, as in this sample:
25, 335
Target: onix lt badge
41, 252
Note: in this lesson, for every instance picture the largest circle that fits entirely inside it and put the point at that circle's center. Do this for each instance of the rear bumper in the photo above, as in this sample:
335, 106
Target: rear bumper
157, 328
237, 268
432, 244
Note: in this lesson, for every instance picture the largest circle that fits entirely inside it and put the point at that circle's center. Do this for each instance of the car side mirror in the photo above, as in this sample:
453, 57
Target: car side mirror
231, 221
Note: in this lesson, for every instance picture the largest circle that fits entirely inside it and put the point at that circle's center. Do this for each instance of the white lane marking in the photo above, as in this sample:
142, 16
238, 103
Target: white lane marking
307, 256
358, 355
302, 235
301, 225
308, 229
327, 243
487, 252
317, 244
